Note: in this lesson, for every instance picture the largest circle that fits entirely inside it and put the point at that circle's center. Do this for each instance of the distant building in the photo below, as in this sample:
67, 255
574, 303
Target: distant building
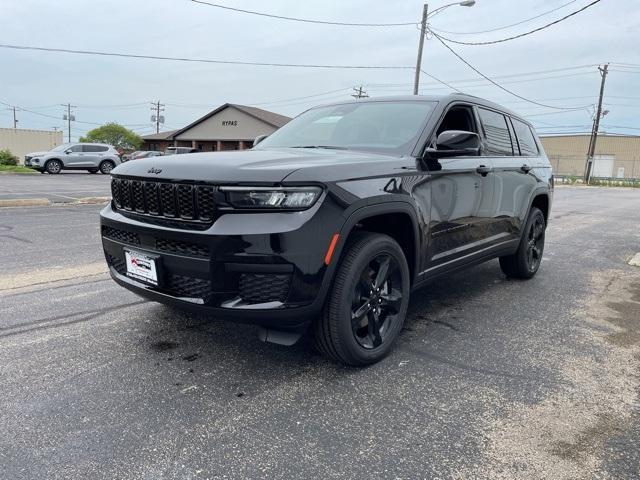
228, 127
616, 156
21, 141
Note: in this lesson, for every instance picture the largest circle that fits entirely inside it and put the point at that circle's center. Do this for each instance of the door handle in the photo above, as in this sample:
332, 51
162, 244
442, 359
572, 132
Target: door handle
483, 170
525, 168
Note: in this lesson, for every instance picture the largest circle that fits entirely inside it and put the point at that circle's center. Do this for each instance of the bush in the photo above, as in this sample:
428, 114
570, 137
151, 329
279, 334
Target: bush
8, 158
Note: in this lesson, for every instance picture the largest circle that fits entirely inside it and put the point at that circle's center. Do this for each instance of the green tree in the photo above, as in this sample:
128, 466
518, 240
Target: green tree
114, 134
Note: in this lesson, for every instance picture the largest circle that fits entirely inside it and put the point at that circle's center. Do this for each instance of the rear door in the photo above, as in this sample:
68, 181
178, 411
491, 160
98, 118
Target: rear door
93, 154
514, 153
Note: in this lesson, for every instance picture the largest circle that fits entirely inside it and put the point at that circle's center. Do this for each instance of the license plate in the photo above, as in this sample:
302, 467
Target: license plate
142, 266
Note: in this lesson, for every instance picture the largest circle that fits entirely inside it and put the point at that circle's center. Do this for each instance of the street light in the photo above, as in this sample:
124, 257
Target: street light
423, 30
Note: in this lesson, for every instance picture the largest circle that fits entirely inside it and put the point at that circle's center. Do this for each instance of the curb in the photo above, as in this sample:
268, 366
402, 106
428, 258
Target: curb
24, 202
45, 202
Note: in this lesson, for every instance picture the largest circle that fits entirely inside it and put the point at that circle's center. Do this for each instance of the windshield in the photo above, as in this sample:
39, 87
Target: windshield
389, 127
62, 147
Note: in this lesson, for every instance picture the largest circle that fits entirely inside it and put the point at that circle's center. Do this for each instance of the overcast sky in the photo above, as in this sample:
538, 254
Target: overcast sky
119, 89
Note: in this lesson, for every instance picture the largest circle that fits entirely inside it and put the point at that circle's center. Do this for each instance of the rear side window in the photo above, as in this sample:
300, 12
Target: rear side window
526, 140
94, 148
496, 132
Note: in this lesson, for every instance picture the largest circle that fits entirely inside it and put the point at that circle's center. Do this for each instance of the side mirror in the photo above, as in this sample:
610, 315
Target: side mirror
455, 143
67, 152
258, 139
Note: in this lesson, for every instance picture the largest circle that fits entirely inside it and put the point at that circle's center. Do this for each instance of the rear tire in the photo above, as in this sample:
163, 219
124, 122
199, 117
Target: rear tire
53, 167
367, 303
526, 261
106, 166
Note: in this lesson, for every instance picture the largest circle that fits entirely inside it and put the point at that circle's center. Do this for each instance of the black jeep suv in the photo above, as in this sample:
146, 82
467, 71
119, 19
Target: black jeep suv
332, 221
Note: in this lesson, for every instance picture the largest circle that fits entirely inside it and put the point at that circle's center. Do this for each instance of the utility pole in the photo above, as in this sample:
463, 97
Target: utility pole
360, 93
15, 120
596, 125
423, 31
69, 117
157, 118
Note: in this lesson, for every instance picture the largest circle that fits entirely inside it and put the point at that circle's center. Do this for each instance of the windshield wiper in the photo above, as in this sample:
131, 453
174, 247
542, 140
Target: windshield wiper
328, 147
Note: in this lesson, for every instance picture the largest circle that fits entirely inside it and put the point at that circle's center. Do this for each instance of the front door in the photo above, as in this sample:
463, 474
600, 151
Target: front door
74, 157
461, 197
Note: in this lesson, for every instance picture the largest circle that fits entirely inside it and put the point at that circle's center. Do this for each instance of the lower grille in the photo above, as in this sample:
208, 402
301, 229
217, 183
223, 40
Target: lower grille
175, 285
181, 286
264, 287
120, 235
182, 248
116, 263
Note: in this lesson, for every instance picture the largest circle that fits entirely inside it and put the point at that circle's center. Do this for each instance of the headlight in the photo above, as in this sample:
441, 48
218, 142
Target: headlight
292, 198
37, 160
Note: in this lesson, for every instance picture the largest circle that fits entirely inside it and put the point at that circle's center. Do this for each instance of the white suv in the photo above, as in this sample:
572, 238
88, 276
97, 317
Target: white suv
75, 156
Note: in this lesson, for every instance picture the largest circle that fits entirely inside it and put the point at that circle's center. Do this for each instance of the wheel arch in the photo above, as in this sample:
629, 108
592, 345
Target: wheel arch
53, 158
397, 219
542, 200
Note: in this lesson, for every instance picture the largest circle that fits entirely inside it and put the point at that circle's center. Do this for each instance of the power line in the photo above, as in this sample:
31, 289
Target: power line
497, 84
440, 81
507, 26
304, 20
513, 75
492, 42
202, 60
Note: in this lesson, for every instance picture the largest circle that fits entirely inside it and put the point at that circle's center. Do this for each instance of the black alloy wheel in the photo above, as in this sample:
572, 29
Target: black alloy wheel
367, 303
535, 243
527, 259
376, 301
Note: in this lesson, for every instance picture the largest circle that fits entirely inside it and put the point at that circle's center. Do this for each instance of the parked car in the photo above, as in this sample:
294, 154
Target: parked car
148, 154
93, 157
180, 150
128, 156
331, 221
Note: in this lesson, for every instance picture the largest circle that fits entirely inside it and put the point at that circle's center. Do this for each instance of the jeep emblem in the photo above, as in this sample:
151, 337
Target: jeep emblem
154, 170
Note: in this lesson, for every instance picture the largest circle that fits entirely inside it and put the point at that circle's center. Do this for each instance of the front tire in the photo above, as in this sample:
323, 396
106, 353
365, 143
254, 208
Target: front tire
367, 303
53, 167
106, 166
526, 261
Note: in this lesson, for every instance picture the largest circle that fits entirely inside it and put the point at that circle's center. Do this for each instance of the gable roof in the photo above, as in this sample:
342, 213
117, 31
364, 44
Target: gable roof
272, 118
160, 136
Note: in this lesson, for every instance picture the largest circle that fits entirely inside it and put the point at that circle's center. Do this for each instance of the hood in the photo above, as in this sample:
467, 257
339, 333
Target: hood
36, 154
269, 165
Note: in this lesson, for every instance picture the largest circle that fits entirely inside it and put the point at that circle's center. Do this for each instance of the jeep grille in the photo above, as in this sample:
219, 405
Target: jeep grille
175, 201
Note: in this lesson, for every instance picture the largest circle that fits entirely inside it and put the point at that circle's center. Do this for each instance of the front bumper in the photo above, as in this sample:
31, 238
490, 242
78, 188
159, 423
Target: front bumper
31, 163
262, 268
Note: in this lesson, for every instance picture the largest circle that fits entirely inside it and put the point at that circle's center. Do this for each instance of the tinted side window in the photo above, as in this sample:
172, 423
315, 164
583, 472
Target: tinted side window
526, 140
76, 148
497, 132
94, 148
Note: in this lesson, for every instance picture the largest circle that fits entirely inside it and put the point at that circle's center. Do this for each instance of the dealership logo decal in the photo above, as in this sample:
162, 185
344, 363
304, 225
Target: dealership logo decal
154, 170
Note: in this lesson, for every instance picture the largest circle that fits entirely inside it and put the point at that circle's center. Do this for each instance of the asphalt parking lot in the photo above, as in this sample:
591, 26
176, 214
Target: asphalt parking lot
491, 378
65, 187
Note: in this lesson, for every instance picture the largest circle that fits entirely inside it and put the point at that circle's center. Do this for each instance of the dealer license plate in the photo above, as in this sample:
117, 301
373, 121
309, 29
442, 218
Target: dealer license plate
141, 267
